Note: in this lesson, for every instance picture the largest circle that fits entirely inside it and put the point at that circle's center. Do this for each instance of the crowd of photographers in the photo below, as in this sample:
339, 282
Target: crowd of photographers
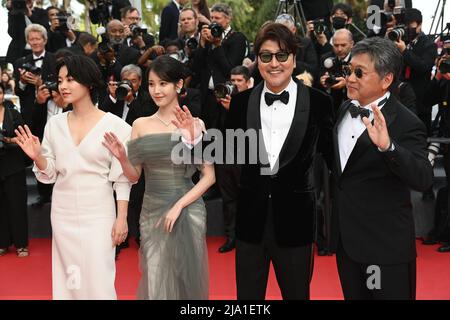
219, 63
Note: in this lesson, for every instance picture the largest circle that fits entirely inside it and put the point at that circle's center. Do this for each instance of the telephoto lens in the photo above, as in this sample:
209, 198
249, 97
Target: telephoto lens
123, 87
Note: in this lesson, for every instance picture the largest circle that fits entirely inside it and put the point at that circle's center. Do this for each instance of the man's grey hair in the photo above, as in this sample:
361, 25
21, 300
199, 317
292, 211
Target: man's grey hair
222, 7
384, 54
286, 19
131, 68
36, 28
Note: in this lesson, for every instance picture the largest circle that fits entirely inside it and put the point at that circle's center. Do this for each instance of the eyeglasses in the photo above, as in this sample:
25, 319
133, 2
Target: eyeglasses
281, 56
348, 70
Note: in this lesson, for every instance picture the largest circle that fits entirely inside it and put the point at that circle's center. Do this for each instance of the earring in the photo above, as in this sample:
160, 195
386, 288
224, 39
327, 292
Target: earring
178, 90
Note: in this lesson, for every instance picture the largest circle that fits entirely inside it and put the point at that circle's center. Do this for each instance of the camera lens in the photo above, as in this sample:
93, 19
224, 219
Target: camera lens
122, 90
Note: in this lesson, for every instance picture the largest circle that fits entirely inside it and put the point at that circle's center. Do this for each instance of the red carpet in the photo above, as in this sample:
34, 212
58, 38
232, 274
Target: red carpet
30, 278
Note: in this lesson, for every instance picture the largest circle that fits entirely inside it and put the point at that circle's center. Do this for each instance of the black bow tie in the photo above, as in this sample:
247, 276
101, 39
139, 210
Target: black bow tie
271, 98
37, 59
357, 111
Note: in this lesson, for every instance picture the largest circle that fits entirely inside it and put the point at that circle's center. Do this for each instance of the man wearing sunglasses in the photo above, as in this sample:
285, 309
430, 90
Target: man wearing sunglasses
276, 202
380, 154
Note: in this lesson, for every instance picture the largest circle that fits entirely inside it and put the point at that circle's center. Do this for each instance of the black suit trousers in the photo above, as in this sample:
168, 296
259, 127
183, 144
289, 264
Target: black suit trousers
397, 282
293, 267
13, 211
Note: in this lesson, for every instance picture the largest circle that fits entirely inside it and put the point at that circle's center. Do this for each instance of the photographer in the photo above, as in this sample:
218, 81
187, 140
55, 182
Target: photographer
32, 70
332, 77
13, 187
115, 32
86, 44
228, 175
320, 30
129, 100
221, 49
102, 11
137, 37
419, 53
59, 34
440, 94
22, 13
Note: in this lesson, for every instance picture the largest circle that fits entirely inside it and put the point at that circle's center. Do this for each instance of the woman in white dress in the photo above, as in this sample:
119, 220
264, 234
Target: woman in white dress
83, 214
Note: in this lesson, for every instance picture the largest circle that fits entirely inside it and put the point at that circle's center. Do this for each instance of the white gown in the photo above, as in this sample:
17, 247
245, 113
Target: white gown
83, 209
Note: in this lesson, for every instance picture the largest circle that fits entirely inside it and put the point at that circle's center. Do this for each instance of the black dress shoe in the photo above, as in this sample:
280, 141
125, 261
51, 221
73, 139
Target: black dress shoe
428, 195
444, 248
40, 202
429, 241
229, 245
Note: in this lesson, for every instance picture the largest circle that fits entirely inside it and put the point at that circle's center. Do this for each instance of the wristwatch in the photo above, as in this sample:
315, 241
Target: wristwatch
391, 148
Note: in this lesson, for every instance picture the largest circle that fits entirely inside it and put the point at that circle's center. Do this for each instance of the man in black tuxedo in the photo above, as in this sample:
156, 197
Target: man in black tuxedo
169, 20
419, 54
213, 62
380, 154
276, 204
29, 82
17, 22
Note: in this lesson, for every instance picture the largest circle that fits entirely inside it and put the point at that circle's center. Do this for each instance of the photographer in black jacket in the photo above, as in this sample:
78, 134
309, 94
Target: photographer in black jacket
13, 187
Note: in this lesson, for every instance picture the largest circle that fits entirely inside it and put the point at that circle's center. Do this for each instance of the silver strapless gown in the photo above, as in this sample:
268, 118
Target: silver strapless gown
173, 265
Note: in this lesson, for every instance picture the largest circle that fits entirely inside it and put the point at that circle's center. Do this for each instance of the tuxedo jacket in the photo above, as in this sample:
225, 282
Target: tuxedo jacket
374, 211
27, 96
291, 188
142, 106
169, 22
11, 156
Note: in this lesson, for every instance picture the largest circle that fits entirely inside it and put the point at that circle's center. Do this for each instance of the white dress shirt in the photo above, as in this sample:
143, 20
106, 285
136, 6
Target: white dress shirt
350, 129
276, 121
37, 64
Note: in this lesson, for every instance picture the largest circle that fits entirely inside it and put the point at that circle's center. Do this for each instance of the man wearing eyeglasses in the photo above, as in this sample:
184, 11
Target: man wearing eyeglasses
141, 41
380, 154
276, 202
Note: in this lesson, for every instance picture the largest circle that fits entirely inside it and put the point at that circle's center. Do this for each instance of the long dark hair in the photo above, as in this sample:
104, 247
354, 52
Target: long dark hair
168, 69
203, 9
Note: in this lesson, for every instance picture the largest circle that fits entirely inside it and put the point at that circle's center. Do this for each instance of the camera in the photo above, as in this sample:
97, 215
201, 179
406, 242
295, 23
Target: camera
29, 67
123, 87
63, 27
319, 25
216, 29
335, 68
179, 55
51, 86
397, 33
136, 30
221, 90
192, 43
444, 67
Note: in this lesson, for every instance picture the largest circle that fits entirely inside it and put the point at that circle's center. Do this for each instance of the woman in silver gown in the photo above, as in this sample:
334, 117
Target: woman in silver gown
173, 252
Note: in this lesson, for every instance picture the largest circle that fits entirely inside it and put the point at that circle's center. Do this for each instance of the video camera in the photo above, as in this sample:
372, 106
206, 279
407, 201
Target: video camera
335, 68
63, 26
221, 90
29, 67
100, 12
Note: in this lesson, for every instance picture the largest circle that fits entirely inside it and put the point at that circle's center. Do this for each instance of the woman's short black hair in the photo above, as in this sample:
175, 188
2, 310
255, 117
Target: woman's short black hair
279, 33
83, 70
168, 69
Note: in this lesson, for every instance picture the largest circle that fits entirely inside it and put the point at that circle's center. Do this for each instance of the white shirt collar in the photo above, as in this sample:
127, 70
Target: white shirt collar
385, 96
290, 87
41, 55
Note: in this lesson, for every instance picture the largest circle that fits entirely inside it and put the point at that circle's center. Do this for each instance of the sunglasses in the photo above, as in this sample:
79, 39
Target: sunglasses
266, 57
348, 70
